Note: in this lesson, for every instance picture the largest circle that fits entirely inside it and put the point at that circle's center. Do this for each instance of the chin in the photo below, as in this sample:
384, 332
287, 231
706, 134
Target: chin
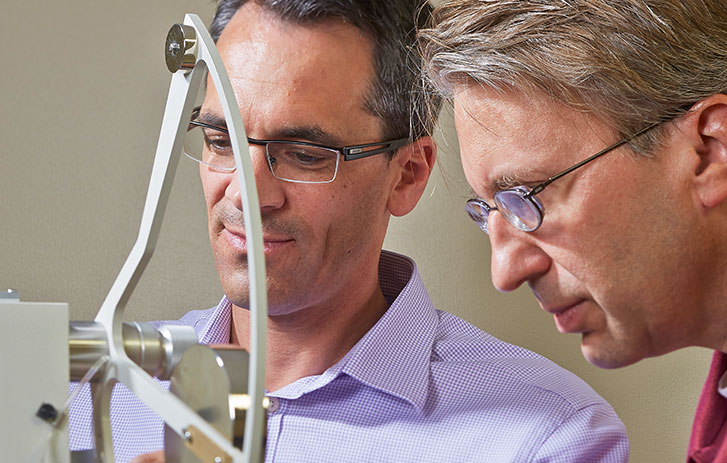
241, 298
608, 356
234, 281
237, 301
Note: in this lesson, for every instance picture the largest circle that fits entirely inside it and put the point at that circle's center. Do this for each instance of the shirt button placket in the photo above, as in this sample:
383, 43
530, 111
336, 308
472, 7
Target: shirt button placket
275, 422
274, 404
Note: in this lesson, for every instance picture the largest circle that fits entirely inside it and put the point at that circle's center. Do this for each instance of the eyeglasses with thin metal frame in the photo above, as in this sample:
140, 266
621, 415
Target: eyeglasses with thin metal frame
275, 148
520, 206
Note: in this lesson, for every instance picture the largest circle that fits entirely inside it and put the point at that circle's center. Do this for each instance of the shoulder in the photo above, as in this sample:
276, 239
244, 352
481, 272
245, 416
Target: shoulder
512, 390
490, 362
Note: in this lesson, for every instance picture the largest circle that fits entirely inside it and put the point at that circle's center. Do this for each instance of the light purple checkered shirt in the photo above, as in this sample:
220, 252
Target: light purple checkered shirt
421, 386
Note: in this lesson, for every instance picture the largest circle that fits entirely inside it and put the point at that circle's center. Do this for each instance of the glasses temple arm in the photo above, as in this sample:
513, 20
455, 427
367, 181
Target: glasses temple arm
538, 188
357, 152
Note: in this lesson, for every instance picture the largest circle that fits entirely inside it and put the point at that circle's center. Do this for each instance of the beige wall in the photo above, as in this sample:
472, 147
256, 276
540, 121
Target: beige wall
83, 92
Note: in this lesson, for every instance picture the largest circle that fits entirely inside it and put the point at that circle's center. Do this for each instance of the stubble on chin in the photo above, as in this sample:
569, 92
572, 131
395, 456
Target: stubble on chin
283, 278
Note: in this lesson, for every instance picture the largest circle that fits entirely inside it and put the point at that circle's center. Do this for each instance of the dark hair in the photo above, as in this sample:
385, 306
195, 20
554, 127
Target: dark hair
395, 96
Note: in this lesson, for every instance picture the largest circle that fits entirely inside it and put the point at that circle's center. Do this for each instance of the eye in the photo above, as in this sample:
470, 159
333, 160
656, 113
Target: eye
217, 142
304, 157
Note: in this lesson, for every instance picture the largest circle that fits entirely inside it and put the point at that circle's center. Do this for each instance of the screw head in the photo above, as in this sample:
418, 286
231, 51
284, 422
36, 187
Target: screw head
47, 412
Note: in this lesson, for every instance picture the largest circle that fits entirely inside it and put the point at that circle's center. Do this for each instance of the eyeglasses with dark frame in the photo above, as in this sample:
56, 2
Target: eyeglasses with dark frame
290, 161
520, 206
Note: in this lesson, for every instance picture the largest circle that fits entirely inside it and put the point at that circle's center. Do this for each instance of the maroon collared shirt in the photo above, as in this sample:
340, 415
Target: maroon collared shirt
708, 443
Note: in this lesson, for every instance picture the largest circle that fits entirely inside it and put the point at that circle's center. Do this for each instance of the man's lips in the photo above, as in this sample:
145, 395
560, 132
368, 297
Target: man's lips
238, 241
569, 317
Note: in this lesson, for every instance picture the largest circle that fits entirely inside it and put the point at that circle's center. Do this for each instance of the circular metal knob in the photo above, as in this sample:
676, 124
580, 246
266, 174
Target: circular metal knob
180, 50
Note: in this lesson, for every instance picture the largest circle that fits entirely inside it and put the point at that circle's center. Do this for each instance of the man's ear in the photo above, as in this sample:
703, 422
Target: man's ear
710, 121
414, 164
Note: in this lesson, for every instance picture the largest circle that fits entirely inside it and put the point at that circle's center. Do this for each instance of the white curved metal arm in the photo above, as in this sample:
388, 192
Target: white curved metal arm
182, 94
254, 431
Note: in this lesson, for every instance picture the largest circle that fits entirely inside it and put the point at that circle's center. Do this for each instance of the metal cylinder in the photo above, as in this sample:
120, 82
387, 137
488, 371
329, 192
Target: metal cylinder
180, 48
175, 340
155, 350
86, 343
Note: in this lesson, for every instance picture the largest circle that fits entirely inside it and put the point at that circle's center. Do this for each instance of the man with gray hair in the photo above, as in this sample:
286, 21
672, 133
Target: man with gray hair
630, 250
360, 365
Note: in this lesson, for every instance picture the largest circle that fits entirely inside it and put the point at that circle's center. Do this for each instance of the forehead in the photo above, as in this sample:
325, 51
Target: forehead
284, 73
508, 137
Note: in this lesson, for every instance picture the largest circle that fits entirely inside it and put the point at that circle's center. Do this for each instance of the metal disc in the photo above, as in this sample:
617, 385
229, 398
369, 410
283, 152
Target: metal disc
200, 380
180, 48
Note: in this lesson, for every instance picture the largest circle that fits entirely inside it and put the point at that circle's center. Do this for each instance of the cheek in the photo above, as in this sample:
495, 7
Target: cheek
591, 247
213, 188
598, 218
342, 213
360, 209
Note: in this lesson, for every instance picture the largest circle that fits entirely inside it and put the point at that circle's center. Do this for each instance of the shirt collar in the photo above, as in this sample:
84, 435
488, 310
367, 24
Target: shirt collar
216, 330
722, 385
393, 356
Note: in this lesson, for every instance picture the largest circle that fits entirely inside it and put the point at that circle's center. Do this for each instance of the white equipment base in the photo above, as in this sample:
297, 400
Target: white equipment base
33, 370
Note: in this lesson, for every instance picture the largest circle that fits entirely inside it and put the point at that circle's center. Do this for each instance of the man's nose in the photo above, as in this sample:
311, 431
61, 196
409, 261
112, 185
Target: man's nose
516, 257
269, 189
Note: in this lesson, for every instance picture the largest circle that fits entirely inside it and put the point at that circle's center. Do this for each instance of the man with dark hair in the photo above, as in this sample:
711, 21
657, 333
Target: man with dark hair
360, 365
603, 184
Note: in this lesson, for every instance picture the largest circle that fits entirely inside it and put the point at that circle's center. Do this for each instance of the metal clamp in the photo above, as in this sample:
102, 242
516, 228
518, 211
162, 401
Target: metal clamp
180, 50
203, 447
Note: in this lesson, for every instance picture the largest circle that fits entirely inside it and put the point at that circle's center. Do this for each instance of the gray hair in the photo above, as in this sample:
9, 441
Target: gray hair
394, 97
630, 62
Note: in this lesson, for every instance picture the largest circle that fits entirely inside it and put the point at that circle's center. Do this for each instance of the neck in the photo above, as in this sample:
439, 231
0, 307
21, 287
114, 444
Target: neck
312, 339
712, 307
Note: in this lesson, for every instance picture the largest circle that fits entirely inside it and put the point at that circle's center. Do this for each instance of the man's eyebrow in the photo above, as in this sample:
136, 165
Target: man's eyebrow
212, 119
309, 133
522, 177
506, 181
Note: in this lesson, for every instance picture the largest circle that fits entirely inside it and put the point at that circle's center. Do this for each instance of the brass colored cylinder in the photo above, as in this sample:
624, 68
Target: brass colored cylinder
156, 350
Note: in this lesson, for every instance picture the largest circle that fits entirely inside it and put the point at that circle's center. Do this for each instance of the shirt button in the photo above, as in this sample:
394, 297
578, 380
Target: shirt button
274, 405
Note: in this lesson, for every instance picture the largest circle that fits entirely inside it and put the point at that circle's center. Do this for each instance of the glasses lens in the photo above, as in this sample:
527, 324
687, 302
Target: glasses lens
519, 210
477, 212
302, 163
211, 147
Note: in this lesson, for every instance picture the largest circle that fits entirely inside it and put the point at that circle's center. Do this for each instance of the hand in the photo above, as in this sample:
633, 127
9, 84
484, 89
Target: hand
153, 457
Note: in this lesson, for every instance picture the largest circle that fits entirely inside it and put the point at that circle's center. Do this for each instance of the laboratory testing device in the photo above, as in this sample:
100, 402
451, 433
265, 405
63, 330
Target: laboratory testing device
215, 408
